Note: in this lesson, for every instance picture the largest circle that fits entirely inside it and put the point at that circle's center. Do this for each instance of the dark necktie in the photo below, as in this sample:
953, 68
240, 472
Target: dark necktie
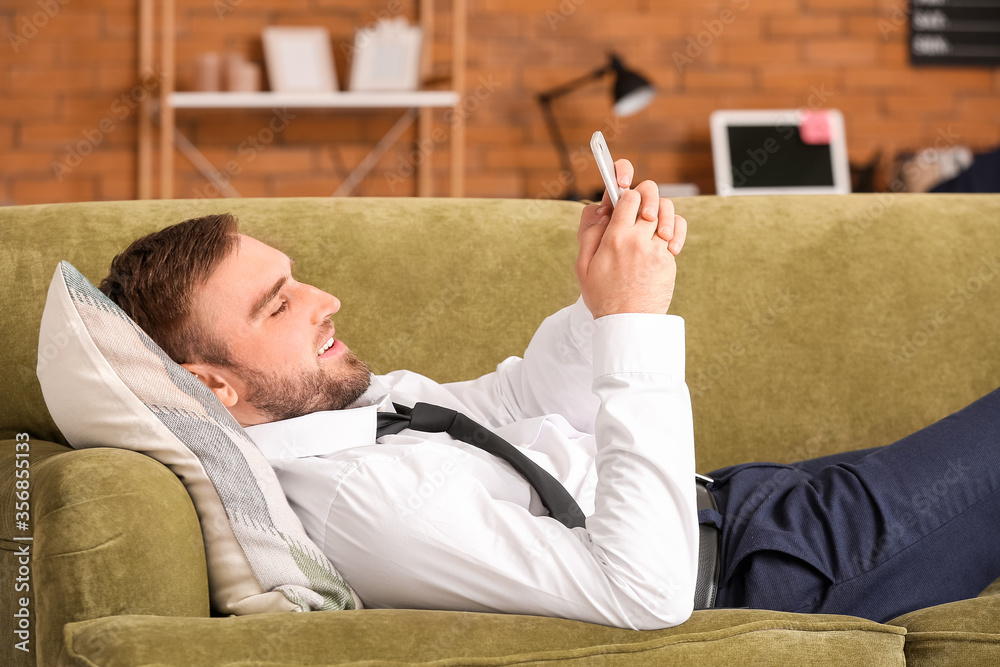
437, 419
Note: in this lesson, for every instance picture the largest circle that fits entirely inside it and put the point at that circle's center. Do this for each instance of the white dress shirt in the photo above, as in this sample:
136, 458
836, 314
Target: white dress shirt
422, 521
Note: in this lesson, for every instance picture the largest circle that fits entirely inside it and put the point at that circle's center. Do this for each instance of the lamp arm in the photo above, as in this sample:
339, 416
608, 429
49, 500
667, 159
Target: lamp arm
560, 144
570, 86
545, 100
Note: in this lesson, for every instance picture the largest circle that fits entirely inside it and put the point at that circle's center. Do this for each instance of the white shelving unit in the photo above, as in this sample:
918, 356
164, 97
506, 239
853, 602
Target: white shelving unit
416, 104
417, 99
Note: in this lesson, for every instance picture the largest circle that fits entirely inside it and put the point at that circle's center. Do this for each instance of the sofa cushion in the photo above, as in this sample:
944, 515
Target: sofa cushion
408, 637
966, 632
112, 386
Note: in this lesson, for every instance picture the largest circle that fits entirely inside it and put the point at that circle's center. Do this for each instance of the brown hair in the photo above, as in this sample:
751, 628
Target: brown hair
154, 280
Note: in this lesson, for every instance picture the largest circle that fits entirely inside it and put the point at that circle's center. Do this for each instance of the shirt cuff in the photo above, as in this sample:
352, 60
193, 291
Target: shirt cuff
639, 343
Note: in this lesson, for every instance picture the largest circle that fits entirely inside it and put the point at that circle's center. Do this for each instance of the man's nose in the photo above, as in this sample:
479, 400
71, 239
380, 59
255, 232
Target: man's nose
326, 305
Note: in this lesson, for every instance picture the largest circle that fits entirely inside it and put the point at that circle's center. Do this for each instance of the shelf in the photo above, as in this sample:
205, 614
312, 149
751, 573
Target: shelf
418, 105
340, 100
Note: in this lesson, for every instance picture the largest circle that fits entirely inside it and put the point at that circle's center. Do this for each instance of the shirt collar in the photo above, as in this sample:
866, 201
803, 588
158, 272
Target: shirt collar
324, 432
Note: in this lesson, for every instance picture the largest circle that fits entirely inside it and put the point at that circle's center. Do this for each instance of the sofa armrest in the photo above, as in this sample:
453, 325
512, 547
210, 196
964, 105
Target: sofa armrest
115, 533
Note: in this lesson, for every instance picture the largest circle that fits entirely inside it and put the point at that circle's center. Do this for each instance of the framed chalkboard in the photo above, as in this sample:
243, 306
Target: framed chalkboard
955, 32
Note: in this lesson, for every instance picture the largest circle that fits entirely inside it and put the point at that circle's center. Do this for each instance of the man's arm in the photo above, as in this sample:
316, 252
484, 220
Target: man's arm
556, 374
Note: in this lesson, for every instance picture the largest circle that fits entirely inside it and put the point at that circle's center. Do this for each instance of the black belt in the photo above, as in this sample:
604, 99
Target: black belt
707, 584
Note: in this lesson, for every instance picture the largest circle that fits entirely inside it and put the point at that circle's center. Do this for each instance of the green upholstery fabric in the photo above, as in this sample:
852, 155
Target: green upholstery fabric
395, 637
814, 325
953, 635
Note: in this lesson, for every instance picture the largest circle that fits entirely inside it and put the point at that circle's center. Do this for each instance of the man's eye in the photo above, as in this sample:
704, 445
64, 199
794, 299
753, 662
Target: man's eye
281, 309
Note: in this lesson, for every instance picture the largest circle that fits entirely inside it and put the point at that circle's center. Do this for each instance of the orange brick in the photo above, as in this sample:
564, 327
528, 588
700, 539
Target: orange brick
104, 161
39, 52
40, 80
385, 184
840, 5
766, 6
500, 25
522, 156
985, 108
45, 191
980, 136
103, 51
116, 188
304, 187
68, 22
875, 126
723, 79
840, 51
742, 54
494, 184
32, 163
120, 24
882, 28
917, 105
29, 105
880, 78
725, 24
276, 160
479, 136
804, 26
950, 79
779, 77
43, 134
893, 54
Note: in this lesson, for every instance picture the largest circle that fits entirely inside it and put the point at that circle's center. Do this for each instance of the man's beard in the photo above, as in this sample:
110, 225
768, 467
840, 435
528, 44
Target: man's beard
278, 397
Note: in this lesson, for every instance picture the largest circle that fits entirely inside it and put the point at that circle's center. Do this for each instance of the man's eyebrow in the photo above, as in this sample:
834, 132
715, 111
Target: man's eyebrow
268, 296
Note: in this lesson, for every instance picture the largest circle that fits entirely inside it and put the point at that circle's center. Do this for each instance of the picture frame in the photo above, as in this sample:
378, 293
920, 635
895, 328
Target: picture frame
386, 57
299, 59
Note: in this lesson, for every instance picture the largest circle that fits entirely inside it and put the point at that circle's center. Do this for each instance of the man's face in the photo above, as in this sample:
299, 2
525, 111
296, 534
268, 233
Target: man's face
277, 332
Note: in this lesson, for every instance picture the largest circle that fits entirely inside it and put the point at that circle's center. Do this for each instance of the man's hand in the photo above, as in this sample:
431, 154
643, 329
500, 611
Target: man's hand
626, 261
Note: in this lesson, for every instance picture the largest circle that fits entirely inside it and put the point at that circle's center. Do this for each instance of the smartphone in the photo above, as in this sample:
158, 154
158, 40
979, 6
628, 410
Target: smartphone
606, 166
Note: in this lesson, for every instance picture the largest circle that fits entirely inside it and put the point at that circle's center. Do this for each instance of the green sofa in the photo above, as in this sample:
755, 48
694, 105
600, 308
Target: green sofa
814, 325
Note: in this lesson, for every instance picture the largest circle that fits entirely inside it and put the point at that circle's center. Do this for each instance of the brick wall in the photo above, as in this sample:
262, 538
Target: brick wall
69, 81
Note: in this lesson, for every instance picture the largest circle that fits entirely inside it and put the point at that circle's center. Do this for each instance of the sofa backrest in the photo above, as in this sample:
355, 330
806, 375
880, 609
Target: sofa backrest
814, 324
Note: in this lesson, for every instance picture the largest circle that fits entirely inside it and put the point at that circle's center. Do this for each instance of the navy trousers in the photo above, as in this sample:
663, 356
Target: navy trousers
874, 533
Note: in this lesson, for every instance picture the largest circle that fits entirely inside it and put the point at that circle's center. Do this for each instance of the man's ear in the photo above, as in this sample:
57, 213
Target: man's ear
216, 382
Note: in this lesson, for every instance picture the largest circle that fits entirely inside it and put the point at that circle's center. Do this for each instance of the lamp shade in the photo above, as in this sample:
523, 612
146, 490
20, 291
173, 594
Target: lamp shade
633, 92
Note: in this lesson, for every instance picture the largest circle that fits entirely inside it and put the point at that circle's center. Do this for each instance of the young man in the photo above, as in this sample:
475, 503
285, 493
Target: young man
421, 520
